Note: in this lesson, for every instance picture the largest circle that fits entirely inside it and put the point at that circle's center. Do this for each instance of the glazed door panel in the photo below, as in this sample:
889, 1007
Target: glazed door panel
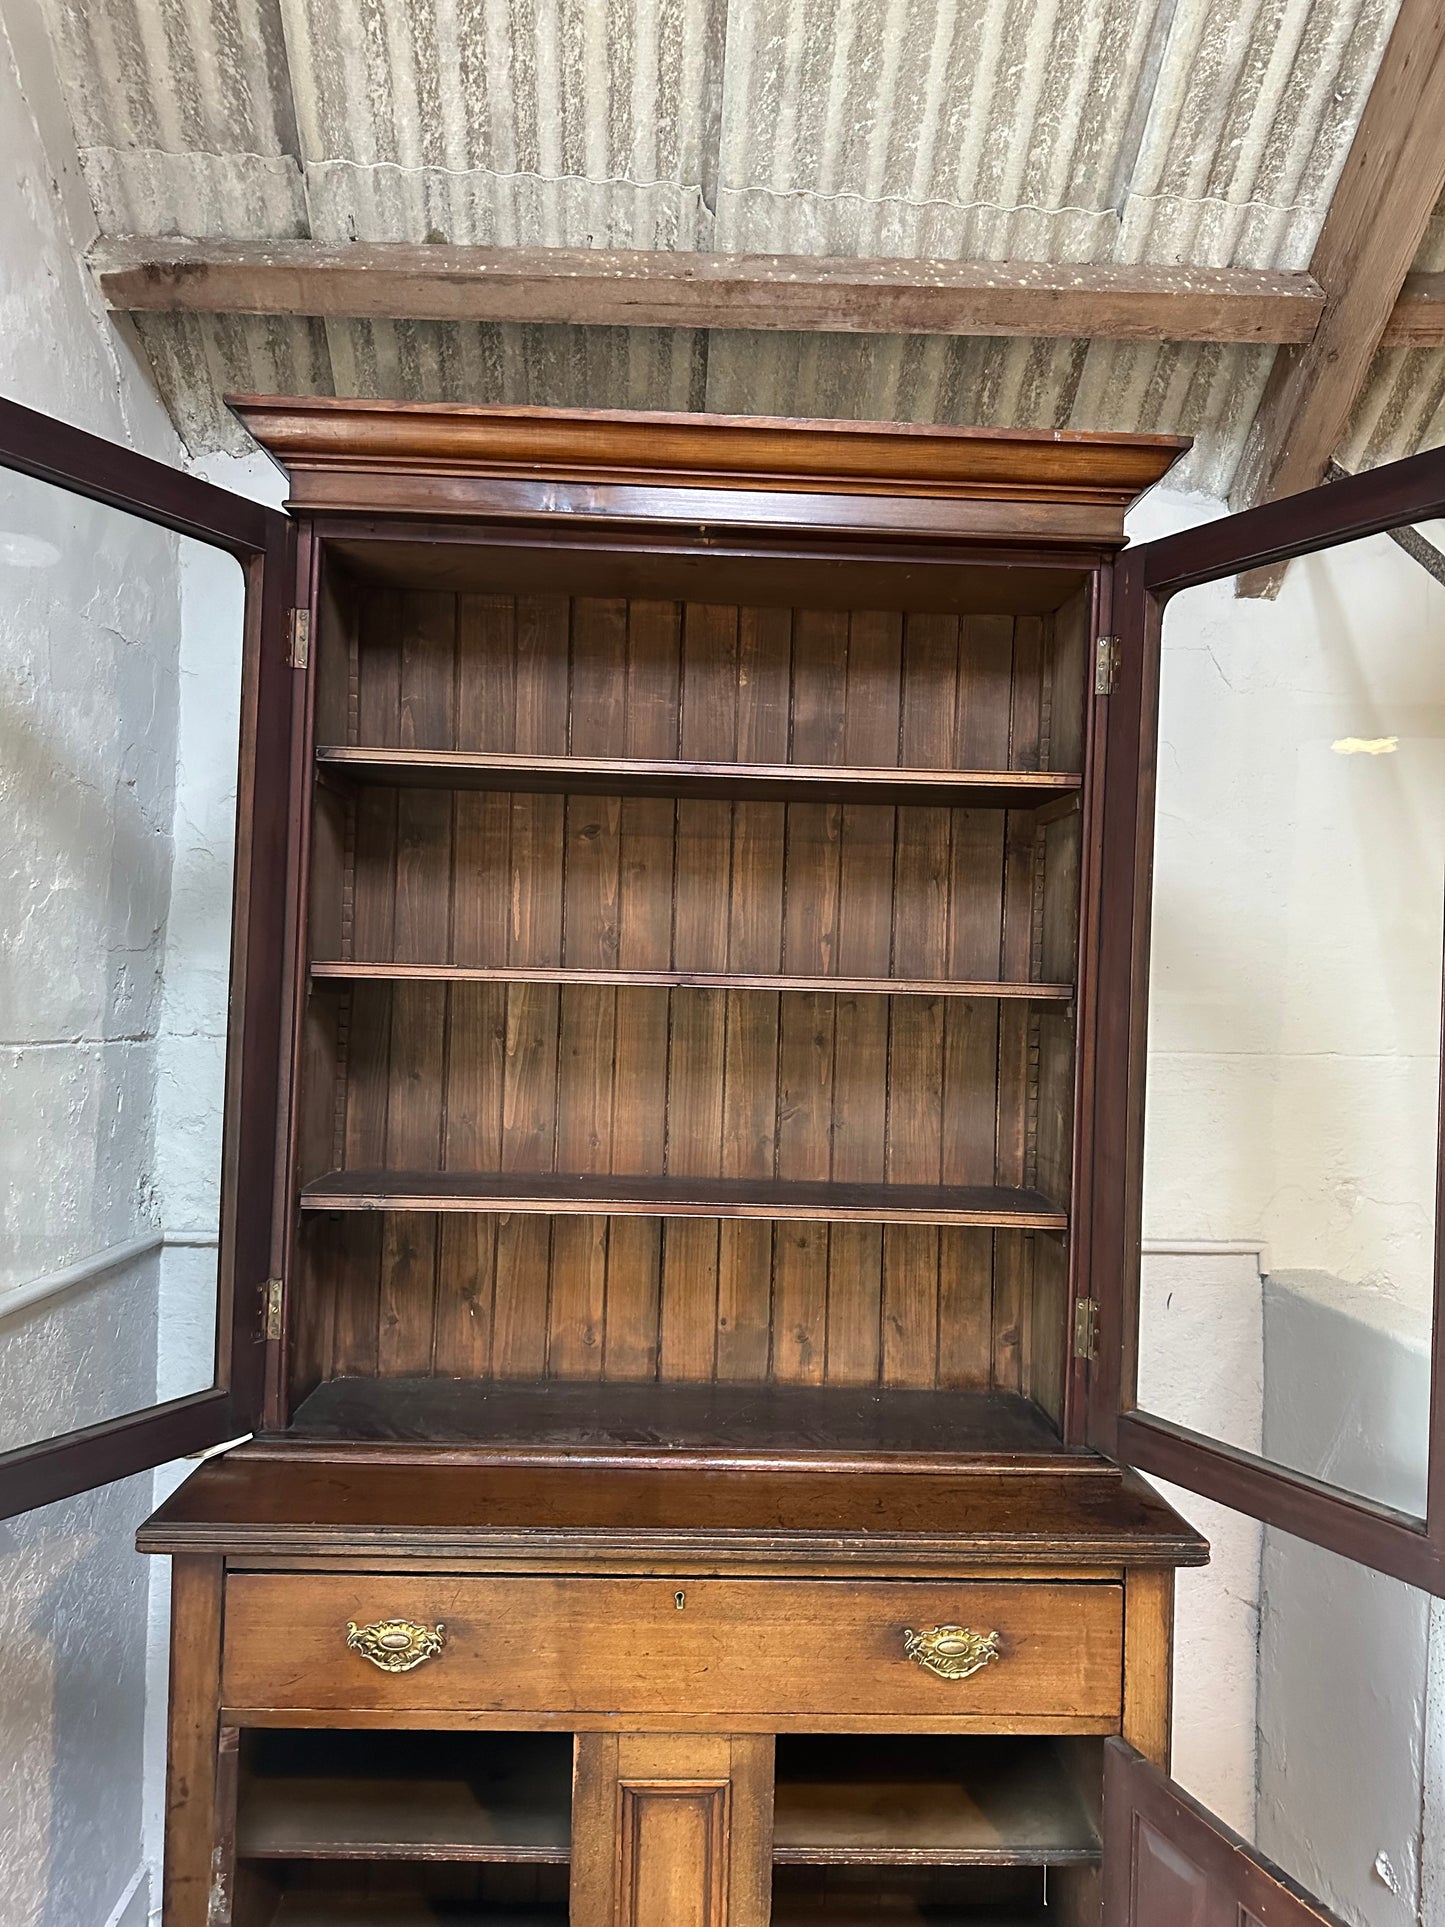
1266, 1159
144, 814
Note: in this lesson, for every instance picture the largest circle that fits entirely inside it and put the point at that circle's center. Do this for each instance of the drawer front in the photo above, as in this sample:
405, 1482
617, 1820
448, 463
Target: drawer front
732, 1648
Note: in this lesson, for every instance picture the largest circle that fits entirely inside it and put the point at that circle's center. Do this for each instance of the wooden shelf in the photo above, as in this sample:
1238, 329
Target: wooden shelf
337, 970
577, 1416
888, 1911
444, 1797
602, 1195
929, 1802
637, 776
345, 1908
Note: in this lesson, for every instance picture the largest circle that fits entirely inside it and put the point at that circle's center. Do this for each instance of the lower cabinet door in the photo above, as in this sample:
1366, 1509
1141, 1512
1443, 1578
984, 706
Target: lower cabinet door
672, 1830
1169, 1862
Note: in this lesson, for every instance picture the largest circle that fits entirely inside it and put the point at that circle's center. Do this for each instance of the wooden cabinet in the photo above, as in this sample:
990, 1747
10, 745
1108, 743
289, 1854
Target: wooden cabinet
679, 1193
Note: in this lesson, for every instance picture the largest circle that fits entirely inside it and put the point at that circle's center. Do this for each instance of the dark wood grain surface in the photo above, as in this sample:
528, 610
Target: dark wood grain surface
563, 1414
353, 1502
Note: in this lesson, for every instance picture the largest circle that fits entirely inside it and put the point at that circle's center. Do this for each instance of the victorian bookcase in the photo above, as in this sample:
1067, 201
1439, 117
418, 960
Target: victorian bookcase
679, 1248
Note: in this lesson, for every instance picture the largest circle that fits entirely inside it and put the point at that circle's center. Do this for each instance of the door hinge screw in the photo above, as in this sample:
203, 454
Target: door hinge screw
298, 641
1106, 665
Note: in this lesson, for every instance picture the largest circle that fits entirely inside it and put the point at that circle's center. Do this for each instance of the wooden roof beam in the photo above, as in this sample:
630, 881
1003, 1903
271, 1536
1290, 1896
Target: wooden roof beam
636, 288
1392, 179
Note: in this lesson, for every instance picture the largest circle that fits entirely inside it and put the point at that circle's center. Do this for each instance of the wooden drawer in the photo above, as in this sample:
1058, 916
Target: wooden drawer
746, 1650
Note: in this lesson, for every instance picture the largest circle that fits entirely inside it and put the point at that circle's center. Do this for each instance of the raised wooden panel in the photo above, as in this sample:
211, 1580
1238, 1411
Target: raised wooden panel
671, 1830
674, 1848
1168, 1862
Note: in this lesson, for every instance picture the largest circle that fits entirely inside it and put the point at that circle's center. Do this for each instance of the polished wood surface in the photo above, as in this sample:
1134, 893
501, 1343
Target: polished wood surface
584, 1651
343, 1503
882, 458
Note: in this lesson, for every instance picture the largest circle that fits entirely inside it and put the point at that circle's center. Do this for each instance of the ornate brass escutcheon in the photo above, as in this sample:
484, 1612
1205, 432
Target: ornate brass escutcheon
953, 1652
395, 1645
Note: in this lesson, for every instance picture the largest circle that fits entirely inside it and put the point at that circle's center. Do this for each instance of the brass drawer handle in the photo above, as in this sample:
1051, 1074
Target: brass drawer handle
395, 1645
953, 1652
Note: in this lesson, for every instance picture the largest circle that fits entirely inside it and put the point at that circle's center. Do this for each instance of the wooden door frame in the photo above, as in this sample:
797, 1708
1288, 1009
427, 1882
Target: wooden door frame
262, 541
1145, 579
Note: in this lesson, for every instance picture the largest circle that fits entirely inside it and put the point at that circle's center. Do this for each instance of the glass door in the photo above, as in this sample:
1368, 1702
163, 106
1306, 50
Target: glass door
1265, 1249
144, 776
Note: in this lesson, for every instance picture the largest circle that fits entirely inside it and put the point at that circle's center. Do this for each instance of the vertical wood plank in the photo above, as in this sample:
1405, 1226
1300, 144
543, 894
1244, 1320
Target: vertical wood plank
755, 942
807, 1023
415, 1124
1148, 1667
587, 1014
366, 1057
484, 718
639, 1125
921, 947
534, 935
709, 696
194, 1728
859, 1123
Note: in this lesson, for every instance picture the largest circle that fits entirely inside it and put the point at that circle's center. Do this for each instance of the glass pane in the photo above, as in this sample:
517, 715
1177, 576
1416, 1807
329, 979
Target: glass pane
120, 653
1308, 1714
1294, 1019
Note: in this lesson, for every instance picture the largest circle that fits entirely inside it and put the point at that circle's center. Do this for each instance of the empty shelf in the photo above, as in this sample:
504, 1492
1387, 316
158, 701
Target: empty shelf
446, 1797
921, 1801
575, 1415
998, 1206
340, 970
349, 1909
637, 776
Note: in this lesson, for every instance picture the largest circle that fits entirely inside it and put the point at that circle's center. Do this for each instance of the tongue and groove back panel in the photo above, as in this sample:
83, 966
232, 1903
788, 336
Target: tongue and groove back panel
695, 1083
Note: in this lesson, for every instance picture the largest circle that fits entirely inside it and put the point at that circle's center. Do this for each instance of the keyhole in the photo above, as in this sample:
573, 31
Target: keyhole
679, 1599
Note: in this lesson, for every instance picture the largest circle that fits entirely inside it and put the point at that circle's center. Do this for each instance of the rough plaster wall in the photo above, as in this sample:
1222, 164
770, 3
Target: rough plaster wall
1344, 1652
1206, 1369
72, 1591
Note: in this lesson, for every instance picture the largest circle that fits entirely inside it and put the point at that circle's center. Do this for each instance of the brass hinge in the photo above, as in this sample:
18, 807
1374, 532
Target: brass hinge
298, 639
1086, 1328
271, 1316
1106, 665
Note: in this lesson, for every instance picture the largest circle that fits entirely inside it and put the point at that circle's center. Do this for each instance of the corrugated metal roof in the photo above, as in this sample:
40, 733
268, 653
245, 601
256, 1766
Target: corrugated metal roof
1207, 131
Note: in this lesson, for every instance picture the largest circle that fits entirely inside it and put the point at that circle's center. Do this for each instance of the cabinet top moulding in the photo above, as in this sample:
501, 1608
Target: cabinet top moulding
626, 465
639, 776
